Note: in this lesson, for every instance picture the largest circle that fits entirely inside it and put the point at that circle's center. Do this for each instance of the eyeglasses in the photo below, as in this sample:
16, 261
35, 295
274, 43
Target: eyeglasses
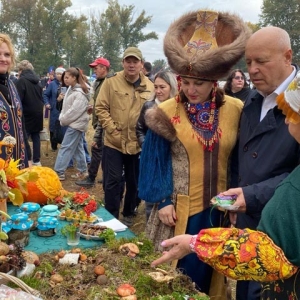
239, 77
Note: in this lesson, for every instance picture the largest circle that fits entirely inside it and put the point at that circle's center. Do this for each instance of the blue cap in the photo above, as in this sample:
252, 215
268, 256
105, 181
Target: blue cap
20, 221
50, 210
29, 207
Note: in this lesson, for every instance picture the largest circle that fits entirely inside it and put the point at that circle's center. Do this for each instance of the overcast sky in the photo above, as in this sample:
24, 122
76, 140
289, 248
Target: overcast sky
163, 12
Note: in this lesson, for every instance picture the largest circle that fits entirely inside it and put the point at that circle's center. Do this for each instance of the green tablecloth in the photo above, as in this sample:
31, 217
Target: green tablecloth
40, 244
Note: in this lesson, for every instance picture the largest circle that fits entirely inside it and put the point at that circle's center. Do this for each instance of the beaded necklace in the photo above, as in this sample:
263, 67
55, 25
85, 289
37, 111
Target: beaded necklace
204, 120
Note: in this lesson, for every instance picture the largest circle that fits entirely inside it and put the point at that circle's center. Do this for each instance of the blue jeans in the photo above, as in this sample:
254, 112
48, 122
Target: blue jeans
72, 146
86, 151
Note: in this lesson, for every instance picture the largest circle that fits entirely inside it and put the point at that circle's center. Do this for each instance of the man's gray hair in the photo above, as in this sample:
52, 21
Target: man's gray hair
25, 65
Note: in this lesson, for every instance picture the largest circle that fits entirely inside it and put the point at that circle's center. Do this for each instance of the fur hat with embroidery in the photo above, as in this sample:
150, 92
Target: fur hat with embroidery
205, 44
289, 101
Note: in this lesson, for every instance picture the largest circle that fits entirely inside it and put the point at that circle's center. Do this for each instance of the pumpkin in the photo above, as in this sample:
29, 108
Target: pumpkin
47, 186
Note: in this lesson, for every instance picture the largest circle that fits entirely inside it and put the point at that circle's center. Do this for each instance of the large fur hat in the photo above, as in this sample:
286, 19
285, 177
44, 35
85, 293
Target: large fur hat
205, 44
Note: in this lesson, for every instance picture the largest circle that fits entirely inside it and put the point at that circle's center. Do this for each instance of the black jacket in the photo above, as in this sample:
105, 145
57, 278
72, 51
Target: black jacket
244, 94
31, 96
141, 127
267, 153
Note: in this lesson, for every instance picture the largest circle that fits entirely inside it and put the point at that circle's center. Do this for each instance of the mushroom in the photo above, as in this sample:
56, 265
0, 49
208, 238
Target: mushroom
82, 257
61, 253
125, 290
102, 279
30, 257
130, 249
99, 270
56, 278
161, 276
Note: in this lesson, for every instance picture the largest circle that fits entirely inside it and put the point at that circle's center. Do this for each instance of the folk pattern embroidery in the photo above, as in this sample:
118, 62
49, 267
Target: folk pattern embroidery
205, 125
12, 126
204, 34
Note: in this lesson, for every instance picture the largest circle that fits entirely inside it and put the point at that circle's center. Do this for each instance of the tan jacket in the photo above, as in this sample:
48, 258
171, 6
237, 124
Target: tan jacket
118, 106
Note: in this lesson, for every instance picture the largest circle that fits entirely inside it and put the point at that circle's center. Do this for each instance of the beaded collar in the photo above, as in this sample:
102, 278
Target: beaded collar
205, 122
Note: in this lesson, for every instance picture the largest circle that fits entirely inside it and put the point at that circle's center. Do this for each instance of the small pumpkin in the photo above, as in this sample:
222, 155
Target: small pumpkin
47, 186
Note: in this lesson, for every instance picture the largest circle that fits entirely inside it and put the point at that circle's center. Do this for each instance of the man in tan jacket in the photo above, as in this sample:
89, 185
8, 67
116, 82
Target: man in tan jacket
118, 106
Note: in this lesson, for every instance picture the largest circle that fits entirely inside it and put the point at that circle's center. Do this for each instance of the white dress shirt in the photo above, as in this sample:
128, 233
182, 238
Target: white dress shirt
269, 101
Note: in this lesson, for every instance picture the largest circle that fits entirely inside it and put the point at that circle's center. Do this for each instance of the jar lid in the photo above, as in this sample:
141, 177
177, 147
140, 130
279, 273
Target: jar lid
20, 221
50, 210
30, 207
47, 222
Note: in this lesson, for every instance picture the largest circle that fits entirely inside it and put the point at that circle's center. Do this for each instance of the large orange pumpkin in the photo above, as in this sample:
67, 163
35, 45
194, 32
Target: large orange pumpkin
47, 186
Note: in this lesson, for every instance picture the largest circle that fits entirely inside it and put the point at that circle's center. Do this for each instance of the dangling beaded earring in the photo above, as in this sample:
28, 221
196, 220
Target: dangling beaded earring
176, 118
212, 106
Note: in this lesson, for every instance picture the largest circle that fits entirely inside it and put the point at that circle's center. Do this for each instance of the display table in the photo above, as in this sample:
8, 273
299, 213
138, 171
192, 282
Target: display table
57, 242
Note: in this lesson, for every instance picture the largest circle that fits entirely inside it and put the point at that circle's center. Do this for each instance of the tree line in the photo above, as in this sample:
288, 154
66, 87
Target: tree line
45, 33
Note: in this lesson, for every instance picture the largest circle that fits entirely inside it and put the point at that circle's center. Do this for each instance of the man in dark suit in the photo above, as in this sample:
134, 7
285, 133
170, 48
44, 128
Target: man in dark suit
266, 152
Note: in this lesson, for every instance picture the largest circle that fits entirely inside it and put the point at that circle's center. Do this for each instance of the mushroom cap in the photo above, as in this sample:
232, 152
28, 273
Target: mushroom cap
130, 247
125, 290
99, 270
160, 277
56, 278
30, 257
102, 279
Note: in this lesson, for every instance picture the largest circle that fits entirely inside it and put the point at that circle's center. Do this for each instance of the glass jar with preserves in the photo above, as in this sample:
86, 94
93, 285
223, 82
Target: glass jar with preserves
20, 225
33, 210
47, 226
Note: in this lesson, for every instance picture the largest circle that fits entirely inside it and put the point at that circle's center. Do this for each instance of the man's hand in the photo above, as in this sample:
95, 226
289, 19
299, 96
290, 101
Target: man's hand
180, 247
240, 202
167, 215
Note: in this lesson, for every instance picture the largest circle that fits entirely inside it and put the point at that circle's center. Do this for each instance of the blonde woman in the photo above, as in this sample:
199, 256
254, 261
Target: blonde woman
11, 107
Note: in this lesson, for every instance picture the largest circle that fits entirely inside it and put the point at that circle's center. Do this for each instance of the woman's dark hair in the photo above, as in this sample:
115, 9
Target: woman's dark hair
219, 97
79, 77
63, 79
227, 87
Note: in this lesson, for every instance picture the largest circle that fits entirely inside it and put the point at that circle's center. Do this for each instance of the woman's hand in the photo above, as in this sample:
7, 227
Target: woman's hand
180, 247
48, 106
60, 97
167, 215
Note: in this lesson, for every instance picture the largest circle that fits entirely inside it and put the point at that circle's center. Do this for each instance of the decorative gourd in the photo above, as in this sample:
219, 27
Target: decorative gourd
47, 186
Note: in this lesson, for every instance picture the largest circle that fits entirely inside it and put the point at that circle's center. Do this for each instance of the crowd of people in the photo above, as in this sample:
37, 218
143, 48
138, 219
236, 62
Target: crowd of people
175, 139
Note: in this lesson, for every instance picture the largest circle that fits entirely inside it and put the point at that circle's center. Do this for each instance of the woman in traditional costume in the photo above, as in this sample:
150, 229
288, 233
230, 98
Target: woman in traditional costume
185, 155
269, 255
11, 114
